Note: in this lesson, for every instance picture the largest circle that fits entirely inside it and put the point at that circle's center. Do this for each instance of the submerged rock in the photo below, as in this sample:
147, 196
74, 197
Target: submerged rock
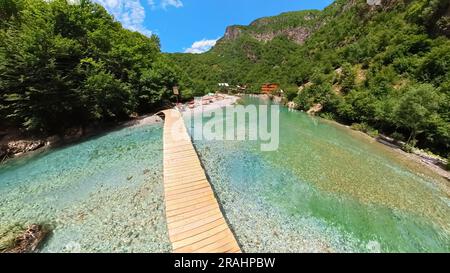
292, 105
28, 242
315, 109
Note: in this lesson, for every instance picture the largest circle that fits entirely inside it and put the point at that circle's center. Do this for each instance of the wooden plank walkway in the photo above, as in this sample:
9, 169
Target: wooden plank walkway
194, 219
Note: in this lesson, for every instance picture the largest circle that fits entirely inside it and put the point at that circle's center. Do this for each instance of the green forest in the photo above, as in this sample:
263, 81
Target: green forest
383, 69
64, 65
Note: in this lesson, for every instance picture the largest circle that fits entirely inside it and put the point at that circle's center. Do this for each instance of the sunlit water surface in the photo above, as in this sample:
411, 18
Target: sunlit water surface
102, 195
326, 189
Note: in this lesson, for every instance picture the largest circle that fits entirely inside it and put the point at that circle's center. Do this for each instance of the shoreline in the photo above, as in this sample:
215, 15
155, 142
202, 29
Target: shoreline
29, 146
418, 156
432, 162
205, 104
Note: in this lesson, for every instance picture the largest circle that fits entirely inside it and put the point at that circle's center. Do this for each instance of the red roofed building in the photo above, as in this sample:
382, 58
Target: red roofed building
270, 88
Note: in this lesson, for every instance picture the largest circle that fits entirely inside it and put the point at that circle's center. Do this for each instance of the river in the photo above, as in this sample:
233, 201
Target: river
326, 189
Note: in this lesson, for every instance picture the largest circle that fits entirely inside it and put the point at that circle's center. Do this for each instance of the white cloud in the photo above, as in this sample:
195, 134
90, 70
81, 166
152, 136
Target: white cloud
164, 4
130, 13
201, 46
173, 3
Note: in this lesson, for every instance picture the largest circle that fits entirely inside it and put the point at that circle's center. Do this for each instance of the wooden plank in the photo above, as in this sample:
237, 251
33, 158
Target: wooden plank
192, 226
188, 169
199, 237
194, 219
189, 220
187, 190
187, 215
187, 198
185, 176
202, 229
172, 206
189, 195
187, 185
221, 238
181, 177
183, 183
179, 180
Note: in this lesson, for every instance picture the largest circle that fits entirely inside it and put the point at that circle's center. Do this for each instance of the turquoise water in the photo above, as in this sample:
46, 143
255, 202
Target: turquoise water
326, 189
102, 195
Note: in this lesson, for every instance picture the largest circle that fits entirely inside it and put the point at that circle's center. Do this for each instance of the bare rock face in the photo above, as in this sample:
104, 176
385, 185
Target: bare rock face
232, 33
315, 109
29, 241
374, 2
298, 35
292, 105
21, 146
304, 86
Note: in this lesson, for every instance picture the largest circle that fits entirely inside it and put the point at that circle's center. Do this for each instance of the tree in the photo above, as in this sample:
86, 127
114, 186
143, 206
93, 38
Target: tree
416, 108
9, 9
65, 65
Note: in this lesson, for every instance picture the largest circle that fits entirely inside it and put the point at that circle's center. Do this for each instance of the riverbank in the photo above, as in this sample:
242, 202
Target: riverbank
433, 162
207, 103
14, 144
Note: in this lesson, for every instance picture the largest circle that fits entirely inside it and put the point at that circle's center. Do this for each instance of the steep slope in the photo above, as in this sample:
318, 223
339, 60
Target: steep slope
296, 26
247, 52
379, 63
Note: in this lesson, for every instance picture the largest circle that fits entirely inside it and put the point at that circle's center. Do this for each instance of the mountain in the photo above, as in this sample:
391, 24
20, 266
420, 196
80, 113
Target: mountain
296, 26
382, 65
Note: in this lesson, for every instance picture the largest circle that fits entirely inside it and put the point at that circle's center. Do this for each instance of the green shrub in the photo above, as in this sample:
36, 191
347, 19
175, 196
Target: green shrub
408, 148
365, 128
327, 116
398, 136
291, 92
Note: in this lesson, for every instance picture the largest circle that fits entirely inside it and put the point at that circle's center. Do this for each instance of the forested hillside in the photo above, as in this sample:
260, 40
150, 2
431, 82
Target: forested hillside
383, 65
64, 65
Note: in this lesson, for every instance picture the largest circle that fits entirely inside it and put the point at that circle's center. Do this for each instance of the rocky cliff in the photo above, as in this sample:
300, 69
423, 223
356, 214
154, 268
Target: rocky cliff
296, 26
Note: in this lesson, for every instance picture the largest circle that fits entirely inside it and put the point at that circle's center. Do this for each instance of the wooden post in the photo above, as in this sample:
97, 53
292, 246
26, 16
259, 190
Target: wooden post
176, 92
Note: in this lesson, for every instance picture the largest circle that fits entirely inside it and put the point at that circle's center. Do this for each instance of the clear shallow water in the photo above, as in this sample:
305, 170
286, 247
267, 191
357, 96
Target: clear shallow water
102, 195
327, 188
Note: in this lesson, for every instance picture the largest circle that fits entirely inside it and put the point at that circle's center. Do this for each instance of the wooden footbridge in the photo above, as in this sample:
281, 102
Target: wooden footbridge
194, 219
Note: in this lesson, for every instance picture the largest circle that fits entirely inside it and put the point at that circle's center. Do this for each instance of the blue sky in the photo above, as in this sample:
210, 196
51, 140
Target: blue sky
194, 25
